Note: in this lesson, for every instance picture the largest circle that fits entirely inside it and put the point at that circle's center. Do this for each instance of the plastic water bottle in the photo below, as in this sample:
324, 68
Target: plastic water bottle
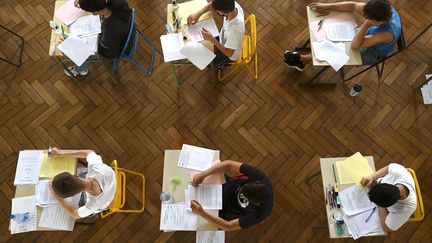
20, 217
166, 197
355, 90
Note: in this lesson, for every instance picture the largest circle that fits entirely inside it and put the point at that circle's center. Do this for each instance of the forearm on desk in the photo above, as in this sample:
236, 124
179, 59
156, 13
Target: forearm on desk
81, 154
230, 166
69, 208
380, 173
346, 7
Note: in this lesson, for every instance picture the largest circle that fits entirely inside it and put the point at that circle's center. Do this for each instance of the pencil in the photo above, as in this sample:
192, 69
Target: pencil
334, 173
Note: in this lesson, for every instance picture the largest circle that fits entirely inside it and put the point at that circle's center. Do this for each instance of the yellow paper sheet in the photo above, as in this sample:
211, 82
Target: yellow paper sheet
51, 166
352, 169
187, 8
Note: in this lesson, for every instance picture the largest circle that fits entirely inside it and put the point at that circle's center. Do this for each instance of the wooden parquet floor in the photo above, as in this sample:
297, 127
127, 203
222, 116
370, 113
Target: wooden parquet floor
270, 122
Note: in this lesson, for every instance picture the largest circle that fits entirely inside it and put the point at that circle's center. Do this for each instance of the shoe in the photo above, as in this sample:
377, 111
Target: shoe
299, 66
292, 59
75, 72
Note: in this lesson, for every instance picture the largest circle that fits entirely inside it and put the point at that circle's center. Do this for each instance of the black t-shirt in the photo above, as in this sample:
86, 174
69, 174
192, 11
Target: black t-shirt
115, 31
252, 214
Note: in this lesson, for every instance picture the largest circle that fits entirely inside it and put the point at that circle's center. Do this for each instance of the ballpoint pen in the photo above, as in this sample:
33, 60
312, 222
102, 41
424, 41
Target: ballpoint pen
370, 215
320, 24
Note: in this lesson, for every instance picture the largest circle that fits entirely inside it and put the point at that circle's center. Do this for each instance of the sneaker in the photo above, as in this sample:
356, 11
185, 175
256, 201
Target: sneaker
75, 72
292, 59
299, 66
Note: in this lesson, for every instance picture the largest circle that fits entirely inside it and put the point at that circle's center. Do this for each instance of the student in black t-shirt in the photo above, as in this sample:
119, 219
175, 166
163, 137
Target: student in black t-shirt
247, 200
116, 16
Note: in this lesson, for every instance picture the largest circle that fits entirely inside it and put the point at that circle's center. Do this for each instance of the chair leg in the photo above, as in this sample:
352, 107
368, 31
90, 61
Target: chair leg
256, 65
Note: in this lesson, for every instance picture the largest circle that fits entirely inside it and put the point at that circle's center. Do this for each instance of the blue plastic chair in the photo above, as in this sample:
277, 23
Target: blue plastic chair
130, 54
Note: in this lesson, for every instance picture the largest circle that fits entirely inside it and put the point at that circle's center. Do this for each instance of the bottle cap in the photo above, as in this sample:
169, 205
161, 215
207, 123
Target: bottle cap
53, 25
358, 87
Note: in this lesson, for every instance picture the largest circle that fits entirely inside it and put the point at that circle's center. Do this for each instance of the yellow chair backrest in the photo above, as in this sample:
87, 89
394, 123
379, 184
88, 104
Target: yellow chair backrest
119, 201
419, 213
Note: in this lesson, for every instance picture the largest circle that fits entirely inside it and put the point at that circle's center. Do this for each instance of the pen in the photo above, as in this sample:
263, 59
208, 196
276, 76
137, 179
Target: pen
334, 173
320, 24
370, 215
333, 196
338, 204
326, 195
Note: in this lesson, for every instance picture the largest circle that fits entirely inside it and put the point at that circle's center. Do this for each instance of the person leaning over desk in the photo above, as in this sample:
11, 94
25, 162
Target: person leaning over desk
231, 34
99, 184
116, 16
375, 38
392, 189
245, 202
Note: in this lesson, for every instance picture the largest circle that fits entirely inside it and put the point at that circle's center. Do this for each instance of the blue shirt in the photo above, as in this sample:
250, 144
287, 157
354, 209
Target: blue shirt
393, 26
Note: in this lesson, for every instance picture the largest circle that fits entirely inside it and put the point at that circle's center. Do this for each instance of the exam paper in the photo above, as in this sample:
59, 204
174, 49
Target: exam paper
189, 7
426, 91
213, 179
177, 217
44, 197
195, 158
210, 236
55, 217
333, 53
355, 200
51, 166
87, 25
352, 169
198, 54
28, 167
76, 49
68, 13
209, 196
358, 227
194, 31
339, 31
318, 32
23, 205
171, 46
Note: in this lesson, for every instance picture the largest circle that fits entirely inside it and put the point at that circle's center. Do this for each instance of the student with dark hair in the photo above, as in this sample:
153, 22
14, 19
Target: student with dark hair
229, 44
99, 184
246, 201
116, 16
375, 38
392, 189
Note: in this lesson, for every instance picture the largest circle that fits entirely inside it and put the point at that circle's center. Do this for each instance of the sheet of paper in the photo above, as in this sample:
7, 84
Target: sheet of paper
51, 166
76, 49
23, 205
318, 32
28, 167
55, 217
209, 196
355, 200
426, 91
44, 197
193, 32
177, 217
210, 236
358, 227
341, 17
86, 25
91, 41
198, 54
352, 169
189, 7
68, 13
171, 46
214, 179
195, 158
333, 53
339, 31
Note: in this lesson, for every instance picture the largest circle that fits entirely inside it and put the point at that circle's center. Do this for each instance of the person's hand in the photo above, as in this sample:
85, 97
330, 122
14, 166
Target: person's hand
368, 23
193, 18
367, 181
54, 152
321, 9
198, 179
196, 207
76, 4
207, 35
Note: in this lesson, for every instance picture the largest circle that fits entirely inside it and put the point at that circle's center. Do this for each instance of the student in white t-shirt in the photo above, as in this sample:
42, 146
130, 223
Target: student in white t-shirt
229, 45
99, 184
392, 189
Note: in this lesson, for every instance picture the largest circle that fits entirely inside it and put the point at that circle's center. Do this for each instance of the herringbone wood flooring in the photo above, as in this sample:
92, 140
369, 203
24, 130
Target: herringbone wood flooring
270, 122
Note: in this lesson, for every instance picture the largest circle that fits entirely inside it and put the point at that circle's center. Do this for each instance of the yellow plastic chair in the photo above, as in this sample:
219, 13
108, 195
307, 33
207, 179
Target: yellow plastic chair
119, 201
249, 52
419, 213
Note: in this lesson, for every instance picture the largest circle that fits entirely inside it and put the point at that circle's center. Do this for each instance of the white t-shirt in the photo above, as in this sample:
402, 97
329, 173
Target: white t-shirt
232, 33
402, 210
105, 176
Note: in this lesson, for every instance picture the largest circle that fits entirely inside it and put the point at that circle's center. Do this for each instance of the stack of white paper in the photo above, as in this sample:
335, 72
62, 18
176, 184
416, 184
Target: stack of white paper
55, 217
85, 26
357, 208
209, 196
44, 197
195, 158
340, 31
76, 49
194, 31
171, 46
198, 54
23, 205
177, 217
28, 167
427, 91
210, 236
333, 53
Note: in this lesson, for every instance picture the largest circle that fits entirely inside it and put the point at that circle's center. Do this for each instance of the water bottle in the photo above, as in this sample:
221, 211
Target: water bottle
166, 197
55, 27
20, 217
355, 90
